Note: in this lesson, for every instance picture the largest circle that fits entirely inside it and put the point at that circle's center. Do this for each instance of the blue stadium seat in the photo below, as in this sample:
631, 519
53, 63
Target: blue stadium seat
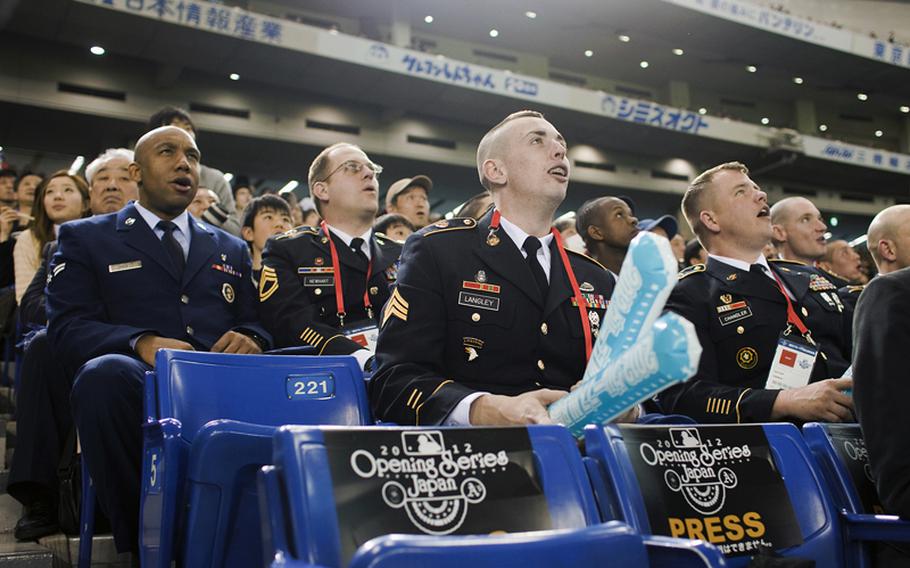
620, 493
209, 426
841, 456
298, 497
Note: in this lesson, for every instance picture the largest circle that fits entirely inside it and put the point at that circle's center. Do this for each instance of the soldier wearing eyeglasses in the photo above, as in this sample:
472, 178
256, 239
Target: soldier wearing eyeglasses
324, 286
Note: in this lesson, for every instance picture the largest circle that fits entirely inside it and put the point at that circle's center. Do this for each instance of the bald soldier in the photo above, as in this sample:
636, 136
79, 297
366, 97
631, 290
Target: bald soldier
798, 230
128, 283
484, 327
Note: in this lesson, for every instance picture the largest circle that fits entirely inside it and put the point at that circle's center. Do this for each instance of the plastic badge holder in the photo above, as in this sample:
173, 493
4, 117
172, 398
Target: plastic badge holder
638, 353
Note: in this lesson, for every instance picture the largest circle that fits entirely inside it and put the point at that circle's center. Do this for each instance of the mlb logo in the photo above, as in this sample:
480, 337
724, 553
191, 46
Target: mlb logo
788, 358
685, 437
422, 443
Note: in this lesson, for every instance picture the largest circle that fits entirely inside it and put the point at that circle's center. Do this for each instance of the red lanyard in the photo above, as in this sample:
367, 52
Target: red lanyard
576, 291
792, 317
339, 291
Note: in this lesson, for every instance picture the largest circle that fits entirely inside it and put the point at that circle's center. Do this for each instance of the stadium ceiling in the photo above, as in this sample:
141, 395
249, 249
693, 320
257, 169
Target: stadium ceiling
171, 49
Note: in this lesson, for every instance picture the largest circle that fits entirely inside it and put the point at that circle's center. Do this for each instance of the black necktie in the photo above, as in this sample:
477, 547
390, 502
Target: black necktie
357, 247
174, 250
531, 245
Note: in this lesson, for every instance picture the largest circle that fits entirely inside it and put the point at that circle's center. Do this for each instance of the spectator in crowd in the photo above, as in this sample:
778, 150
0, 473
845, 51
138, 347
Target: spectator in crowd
798, 230
62, 197
665, 226
129, 283
310, 217
480, 329
409, 197
565, 224
882, 333
841, 263
9, 218
8, 188
738, 304
25, 195
769, 251
394, 226
296, 212
477, 206
678, 244
694, 254
44, 420
607, 226
304, 270
264, 217
224, 214
204, 199
243, 194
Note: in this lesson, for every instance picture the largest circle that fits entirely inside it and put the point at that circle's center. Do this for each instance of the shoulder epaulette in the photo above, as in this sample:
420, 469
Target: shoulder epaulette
856, 289
382, 237
302, 230
594, 260
691, 270
788, 261
445, 225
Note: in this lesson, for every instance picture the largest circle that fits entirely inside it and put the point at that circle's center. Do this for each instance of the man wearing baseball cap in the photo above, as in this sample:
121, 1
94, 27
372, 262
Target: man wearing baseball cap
408, 197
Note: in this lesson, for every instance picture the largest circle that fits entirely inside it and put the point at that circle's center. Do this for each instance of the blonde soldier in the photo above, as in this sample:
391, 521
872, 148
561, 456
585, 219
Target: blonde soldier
324, 286
485, 327
747, 312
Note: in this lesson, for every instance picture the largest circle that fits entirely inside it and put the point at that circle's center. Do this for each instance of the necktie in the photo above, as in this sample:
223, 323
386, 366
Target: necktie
357, 247
531, 245
174, 250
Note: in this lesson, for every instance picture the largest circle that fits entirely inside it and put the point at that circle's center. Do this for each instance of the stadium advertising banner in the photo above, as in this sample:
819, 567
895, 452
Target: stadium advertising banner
717, 485
436, 482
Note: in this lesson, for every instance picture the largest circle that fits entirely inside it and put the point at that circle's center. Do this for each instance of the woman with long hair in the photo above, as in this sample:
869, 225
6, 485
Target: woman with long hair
60, 198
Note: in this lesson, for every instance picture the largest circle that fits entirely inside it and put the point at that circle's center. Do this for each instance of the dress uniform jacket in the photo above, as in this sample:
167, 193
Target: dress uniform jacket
881, 387
739, 317
112, 280
467, 316
297, 288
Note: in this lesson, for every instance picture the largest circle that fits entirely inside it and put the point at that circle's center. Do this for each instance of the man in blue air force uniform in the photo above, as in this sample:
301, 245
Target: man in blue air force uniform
126, 284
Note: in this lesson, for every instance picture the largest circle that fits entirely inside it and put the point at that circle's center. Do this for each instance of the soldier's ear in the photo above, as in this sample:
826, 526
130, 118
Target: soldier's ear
495, 171
709, 220
778, 233
886, 250
320, 191
594, 232
135, 172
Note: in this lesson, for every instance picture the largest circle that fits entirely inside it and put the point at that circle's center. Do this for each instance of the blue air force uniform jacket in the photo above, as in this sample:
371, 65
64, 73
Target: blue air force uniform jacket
297, 288
467, 316
739, 317
112, 280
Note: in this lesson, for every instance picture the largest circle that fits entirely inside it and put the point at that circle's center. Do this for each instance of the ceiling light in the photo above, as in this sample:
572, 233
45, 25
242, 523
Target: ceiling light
624, 38
823, 127
765, 120
96, 50
589, 53
862, 96
702, 110
428, 19
751, 68
798, 80
644, 64
531, 14
289, 187
879, 133
494, 33
234, 77
905, 109
833, 221
678, 51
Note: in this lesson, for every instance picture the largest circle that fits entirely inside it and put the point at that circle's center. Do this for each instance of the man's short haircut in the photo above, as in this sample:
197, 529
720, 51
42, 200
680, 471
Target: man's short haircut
25, 174
830, 248
105, 157
264, 203
693, 250
166, 116
585, 216
319, 169
694, 198
8, 172
488, 144
382, 224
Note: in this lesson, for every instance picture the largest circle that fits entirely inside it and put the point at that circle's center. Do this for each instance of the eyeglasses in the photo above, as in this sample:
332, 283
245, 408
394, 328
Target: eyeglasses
354, 167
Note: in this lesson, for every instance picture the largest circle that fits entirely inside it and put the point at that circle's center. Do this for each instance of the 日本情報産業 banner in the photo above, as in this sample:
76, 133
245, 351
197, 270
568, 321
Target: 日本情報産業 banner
436, 482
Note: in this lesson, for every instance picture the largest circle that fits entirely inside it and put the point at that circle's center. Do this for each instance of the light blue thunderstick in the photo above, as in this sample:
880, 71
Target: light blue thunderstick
638, 352
667, 354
